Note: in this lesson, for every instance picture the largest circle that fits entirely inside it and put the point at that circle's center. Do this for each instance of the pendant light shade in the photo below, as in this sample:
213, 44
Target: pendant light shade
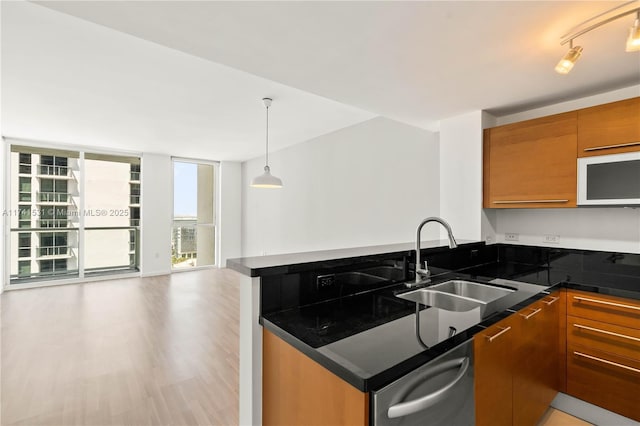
266, 180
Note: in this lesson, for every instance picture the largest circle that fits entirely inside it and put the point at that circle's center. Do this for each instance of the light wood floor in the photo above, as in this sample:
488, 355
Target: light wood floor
161, 351
555, 417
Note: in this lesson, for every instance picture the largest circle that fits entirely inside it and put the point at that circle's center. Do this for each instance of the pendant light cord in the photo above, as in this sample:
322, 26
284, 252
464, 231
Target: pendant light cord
267, 139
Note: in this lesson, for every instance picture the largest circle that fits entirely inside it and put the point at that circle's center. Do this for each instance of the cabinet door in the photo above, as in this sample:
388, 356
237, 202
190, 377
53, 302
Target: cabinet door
493, 373
609, 129
536, 367
532, 164
298, 391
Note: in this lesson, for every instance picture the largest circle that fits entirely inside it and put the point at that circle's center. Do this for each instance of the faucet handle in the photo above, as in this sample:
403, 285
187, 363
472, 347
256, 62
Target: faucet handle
424, 273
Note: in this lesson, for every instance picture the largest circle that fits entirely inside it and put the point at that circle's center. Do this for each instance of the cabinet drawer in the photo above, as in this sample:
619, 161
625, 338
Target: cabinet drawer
609, 309
606, 380
613, 339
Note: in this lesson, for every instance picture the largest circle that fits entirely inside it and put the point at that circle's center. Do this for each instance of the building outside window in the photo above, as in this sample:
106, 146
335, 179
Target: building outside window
193, 232
25, 164
52, 213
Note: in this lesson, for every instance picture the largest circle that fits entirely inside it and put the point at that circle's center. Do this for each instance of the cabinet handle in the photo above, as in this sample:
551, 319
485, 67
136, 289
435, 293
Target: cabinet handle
610, 333
603, 302
604, 361
495, 336
535, 311
528, 201
552, 301
620, 145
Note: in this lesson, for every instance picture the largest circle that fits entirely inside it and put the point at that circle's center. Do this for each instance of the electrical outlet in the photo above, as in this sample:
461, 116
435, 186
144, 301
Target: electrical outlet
511, 236
552, 239
325, 282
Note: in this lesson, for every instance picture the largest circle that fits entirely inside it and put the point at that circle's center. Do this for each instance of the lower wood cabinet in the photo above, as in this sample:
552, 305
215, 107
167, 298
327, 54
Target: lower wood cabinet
493, 369
581, 343
298, 391
603, 351
517, 372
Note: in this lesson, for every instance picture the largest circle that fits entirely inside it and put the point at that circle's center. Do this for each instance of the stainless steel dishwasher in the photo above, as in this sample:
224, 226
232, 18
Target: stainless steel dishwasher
437, 393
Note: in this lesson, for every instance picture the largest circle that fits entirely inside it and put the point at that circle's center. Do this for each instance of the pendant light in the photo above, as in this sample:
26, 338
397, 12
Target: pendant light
267, 180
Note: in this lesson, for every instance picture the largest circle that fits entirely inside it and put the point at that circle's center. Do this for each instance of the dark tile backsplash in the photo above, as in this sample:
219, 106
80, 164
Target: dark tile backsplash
539, 265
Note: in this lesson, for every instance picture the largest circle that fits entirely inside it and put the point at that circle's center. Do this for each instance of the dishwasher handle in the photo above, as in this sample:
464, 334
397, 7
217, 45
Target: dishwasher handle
405, 408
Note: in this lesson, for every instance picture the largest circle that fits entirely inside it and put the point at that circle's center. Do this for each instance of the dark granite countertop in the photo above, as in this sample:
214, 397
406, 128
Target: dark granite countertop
368, 339
296, 262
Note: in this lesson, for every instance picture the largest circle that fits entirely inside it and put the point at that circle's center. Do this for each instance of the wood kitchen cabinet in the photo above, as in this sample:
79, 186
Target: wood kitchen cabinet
531, 164
536, 354
298, 391
517, 365
494, 363
610, 128
603, 351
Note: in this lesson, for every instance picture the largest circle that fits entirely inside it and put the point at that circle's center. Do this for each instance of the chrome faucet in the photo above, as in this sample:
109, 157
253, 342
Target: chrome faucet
423, 274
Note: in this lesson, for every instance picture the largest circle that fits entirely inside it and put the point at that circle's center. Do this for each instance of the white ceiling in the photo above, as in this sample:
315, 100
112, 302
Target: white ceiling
416, 62
70, 81
186, 78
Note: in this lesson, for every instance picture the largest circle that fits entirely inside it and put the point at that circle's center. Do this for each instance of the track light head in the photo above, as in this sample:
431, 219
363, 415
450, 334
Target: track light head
633, 41
569, 59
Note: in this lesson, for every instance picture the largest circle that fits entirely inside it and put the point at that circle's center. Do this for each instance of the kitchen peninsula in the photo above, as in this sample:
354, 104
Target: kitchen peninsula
314, 302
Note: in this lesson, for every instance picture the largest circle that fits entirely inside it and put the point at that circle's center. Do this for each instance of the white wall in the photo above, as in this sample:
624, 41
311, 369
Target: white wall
230, 213
609, 228
366, 184
156, 213
461, 176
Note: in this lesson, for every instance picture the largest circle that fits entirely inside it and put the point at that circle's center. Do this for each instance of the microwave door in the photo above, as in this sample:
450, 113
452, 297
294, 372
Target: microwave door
609, 180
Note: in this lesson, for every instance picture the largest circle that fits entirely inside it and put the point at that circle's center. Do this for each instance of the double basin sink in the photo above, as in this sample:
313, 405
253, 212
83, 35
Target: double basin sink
454, 295
457, 295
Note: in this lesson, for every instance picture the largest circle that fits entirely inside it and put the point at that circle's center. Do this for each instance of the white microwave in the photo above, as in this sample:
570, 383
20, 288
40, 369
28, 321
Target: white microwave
612, 179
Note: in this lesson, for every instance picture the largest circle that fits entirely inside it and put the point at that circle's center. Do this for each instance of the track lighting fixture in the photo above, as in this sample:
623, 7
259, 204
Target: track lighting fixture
633, 41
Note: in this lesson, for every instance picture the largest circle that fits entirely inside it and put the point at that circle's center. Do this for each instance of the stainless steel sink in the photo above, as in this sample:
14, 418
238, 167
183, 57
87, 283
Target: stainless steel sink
386, 272
437, 299
480, 292
357, 279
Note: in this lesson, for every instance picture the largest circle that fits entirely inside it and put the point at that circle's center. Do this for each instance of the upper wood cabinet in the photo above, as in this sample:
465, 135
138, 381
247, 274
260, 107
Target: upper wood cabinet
532, 164
609, 129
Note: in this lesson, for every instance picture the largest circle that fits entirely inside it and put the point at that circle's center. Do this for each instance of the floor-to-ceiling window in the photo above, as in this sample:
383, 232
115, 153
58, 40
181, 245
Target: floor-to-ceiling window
72, 214
193, 235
